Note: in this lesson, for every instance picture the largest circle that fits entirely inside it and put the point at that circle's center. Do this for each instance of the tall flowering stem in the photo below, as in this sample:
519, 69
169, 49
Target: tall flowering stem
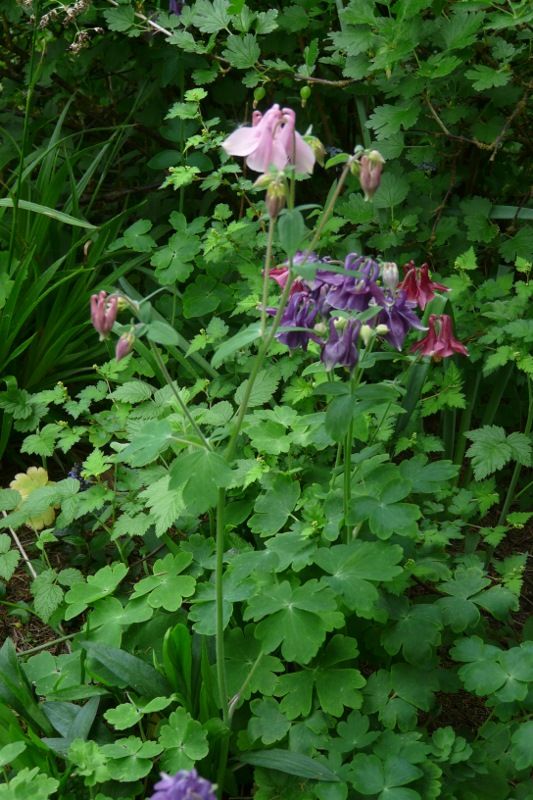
266, 275
229, 455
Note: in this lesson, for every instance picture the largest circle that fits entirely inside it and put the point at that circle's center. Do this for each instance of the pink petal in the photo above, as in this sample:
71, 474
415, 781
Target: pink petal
242, 142
304, 160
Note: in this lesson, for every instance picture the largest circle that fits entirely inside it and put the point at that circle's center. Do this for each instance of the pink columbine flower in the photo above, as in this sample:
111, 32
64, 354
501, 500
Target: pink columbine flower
271, 141
418, 286
440, 342
124, 346
103, 313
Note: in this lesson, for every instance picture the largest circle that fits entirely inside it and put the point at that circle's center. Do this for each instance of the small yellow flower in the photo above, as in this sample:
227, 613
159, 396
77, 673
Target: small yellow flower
27, 482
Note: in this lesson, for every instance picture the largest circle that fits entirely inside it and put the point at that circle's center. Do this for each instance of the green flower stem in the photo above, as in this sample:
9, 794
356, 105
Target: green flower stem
45, 645
347, 494
466, 421
509, 497
266, 276
237, 697
162, 366
229, 454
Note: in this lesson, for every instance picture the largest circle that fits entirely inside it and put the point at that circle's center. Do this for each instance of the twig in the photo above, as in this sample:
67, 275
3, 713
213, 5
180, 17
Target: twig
150, 22
21, 550
325, 81
442, 126
520, 106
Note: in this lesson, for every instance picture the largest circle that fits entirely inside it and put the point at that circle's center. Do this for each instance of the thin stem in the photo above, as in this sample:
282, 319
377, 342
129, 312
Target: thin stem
235, 699
25, 133
219, 638
21, 550
46, 645
266, 275
162, 366
347, 494
509, 497
466, 420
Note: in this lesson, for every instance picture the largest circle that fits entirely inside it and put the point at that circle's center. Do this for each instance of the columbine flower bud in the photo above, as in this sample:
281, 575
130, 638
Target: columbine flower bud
382, 330
103, 313
366, 334
390, 275
371, 167
124, 345
317, 147
276, 195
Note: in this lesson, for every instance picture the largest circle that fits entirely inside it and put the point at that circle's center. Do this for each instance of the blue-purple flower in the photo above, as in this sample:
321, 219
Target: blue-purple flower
354, 289
301, 312
341, 349
175, 6
398, 315
185, 785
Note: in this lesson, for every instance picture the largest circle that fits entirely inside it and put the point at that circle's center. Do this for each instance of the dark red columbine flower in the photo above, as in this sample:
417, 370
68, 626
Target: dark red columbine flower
418, 286
440, 341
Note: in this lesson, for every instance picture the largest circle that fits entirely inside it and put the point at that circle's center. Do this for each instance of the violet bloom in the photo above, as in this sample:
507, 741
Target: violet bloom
418, 286
185, 785
398, 315
340, 350
354, 289
103, 313
440, 342
175, 7
301, 312
271, 141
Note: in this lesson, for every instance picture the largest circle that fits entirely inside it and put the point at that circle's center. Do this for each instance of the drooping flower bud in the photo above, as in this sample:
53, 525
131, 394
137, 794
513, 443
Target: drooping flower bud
276, 196
371, 167
103, 313
390, 275
124, 345
366, 334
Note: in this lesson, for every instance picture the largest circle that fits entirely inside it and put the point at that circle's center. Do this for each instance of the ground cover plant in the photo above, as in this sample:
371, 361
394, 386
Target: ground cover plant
268, 534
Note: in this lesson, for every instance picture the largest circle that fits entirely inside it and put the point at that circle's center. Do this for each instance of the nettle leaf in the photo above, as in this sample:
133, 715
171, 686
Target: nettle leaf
242, 52
165, 504
354, 569
267, 722
153, 439
386, 120
42, 443
264, 387
95, 464
184, 741
103, 583
47, 595
492, 449
132, 392
273, 508
166, 588
483, 77
120, 19
386, 516
8, 558
210, 17
297, 618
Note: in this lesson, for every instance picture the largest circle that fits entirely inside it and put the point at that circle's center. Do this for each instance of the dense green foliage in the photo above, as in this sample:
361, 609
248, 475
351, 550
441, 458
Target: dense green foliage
305, 583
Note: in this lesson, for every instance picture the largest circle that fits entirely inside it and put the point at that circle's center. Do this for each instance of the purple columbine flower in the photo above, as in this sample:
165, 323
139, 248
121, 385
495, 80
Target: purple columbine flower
185, 785
340, 350
175, 7
354, 290
398, 315
301, 312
